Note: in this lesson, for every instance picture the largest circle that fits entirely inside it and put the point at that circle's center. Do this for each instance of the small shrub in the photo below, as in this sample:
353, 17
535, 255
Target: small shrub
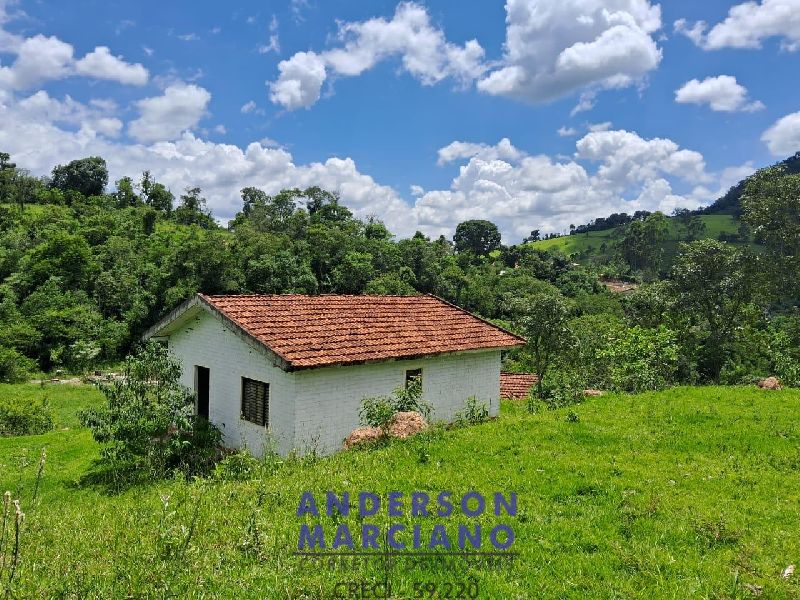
572, 417
409, 398
377, 412
562, 388
14, 367
25, 417
240, 466
474, 412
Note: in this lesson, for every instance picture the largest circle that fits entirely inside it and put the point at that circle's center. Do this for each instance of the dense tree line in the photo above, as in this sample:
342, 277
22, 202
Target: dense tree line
83, 272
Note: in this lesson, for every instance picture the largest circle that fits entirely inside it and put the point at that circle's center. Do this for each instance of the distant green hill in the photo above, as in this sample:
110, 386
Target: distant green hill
730, 202
597, 244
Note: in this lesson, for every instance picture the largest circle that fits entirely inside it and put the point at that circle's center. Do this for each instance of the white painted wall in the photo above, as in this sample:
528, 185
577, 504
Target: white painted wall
318, 408
328, 399
208, 342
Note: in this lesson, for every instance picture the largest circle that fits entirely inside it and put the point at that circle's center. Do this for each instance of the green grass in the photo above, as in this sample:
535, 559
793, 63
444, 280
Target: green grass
687, 493
591, 241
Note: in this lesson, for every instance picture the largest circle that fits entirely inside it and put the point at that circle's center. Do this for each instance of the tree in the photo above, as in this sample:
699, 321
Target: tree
714, 284
543, 319
477, 236
771, 207
87, 176
155, 194
533, 237
7, 171
125, 194
642, 242
147, 426
193, 210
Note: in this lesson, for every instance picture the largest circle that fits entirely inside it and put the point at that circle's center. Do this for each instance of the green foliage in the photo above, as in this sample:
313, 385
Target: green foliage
784, 349
543, 320
24, 416
641, 245
474, 413
14, 367
378, 411
634, 487
147, 426
87, 176
478, 237
771, 207
564, 387
237, 466
715, 286
641, 359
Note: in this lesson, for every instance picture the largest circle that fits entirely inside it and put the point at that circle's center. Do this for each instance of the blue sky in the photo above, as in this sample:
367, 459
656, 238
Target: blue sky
533, 113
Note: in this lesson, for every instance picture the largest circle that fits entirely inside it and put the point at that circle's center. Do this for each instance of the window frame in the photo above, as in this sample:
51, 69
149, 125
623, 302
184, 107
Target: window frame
265, 407
413, 374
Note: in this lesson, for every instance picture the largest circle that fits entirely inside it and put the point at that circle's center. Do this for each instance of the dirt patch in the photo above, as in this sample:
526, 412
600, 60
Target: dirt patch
402, 425
405, 424
362, 435
770, 383
618, 286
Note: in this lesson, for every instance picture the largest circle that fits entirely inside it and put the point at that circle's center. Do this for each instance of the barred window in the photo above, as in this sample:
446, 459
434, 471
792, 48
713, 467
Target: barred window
255, 401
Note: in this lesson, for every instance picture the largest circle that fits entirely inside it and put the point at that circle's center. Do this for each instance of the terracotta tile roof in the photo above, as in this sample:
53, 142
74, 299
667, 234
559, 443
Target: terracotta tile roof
316, 331
516, 386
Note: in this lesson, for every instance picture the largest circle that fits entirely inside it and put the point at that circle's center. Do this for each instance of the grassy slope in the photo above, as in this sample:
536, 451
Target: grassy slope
690, 492
571, 244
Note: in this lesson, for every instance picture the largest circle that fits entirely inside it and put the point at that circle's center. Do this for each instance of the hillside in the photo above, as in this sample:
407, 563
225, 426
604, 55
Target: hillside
730, 202
590, 244
682, 493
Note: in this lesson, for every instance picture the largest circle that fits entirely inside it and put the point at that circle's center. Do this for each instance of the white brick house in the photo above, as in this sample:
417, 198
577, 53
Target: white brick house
294, 369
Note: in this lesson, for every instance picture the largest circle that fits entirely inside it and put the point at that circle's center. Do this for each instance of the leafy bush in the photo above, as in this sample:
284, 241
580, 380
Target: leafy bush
563, 388
25, 417
642, 359
785, 350
410, 398
14, 367
377, 412
148, 424
474, 412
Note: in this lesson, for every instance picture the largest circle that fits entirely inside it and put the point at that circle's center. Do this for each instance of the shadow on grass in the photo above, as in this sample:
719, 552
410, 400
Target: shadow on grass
112, 480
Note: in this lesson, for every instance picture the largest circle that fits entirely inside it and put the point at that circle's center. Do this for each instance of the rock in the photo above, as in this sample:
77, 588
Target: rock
593, 393
788, 572
405, 424
362, 435
770, 383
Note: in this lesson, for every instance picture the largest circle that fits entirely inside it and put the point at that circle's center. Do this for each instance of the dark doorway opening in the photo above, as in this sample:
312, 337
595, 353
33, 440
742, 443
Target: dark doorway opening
201, 387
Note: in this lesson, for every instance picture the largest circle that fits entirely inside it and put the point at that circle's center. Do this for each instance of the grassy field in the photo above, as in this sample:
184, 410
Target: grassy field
591, 241
687, 493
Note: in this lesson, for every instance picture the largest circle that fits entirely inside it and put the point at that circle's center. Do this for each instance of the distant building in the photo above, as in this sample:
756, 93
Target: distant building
295, 368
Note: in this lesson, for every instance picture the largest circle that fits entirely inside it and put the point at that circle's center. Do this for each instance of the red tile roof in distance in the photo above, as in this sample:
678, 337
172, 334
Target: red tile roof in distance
516, 386
317, 331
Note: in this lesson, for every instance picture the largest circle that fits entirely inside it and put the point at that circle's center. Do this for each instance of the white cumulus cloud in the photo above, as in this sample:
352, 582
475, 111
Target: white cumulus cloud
101, 64
783, 138
556, 48
747, 26
165, 117
422, 48
721, 93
